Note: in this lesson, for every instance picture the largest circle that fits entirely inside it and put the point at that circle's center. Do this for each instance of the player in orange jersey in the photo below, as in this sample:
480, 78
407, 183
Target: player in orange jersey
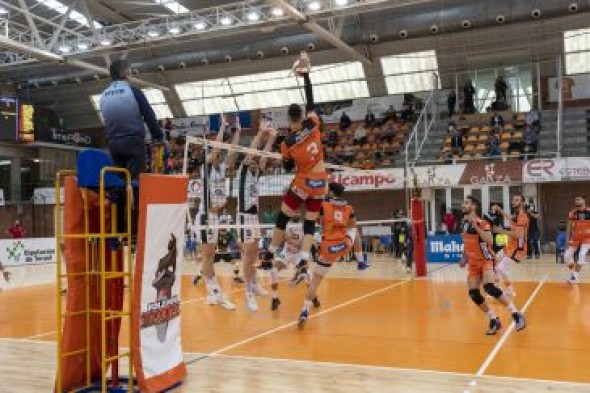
339, 236
516, 248
578, 233
477, 243
303, 152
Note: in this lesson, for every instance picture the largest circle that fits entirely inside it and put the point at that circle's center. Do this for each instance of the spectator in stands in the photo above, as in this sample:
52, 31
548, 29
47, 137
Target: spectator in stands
530, 141
391, 113
534, 234
500, 86
389, 134
360, 136
449, 221
451, 128
407, 111
345, 122
532, 119
457, 144
451, 103
468, 93
332, 138
493, 144
17, 231
497, 121
348, 153
369, 119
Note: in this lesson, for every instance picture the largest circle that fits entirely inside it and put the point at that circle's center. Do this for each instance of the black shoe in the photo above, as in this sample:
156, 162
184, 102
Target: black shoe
519, 321
267, 261
196, 279
300, 273
495, 326
238, 280
276, 302
316, 302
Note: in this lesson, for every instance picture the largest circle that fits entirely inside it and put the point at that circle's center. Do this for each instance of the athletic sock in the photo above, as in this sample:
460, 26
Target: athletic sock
512, 308
307, 305
360, 257
491, 314
274, 275
275, 294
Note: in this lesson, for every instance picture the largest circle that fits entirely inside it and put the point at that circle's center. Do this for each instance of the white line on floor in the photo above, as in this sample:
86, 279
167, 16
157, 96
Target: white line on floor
338, 306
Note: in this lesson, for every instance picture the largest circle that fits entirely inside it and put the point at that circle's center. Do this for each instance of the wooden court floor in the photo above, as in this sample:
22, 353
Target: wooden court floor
377, 331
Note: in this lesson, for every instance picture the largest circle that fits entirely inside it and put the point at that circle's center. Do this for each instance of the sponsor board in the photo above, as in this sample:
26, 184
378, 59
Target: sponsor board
46, 196
444, 248
556, 169
491, 173
32, 251
575, 87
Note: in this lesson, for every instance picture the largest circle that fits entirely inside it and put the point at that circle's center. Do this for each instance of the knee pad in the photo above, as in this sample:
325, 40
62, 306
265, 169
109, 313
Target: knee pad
308, 227
476, 296
492, 290
282, 221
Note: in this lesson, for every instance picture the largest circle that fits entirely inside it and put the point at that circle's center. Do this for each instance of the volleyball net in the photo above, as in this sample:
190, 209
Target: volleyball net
218, 170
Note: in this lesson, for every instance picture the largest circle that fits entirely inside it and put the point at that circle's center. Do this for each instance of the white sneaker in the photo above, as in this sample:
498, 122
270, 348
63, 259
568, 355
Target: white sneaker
216, 298
251, 304
259, 291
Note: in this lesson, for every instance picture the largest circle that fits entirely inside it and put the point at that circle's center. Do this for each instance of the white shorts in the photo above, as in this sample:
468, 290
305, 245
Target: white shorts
207, 228
250, 232
571, 250
289, 258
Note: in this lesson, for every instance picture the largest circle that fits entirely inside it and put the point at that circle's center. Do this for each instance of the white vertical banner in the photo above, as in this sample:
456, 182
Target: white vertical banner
158, 360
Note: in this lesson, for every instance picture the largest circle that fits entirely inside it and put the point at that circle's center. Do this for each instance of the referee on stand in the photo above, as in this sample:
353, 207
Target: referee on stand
124, 110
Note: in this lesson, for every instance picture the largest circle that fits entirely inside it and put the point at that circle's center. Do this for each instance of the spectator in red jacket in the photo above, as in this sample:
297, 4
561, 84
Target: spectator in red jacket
450, 221
17, 231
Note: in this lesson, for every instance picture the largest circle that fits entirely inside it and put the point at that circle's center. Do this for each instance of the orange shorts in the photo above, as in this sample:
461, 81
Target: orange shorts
479, 266
309, 185
578, 240
332, 250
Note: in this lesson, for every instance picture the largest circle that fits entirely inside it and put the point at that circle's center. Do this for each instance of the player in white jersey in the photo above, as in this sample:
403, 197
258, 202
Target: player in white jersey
213, 200
248, 206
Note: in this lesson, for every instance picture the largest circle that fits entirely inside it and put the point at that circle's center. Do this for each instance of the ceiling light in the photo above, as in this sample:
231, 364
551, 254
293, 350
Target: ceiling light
64, 49
105, 42
83, 46
253, 16
174, 30
341, 2
226, 20
276, 11
153, 33
314, 5
3, 11
200, 25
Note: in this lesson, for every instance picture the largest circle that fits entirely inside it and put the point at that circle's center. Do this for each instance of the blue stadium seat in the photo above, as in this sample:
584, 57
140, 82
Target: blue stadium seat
90, 163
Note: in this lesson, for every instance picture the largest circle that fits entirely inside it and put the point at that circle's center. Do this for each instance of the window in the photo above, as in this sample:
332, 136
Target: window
577, 51
154, 96
332, 82
410, 72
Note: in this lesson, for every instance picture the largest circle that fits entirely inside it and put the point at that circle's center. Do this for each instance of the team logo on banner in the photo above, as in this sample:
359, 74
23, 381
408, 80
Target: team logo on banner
166, 306
15, 251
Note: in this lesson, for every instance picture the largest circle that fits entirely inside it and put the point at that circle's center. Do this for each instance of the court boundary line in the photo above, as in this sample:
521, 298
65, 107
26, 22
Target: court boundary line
290, 324
492, 355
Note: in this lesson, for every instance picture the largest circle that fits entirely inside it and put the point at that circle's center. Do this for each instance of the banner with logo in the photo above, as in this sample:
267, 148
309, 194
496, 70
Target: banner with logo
444, 248
46, 196
556, 169
491, 173
191, 126
438, 176
575, 87
156, 336
21, 252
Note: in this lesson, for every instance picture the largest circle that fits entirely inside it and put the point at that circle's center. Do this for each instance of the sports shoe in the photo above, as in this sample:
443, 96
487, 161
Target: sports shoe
251, 304
274, 305
316, 302
519, 321
300, 273
363, 266
259, 291
302, 319
196, 279
267, 261
509, 291
216, 298
495, 325
238, 280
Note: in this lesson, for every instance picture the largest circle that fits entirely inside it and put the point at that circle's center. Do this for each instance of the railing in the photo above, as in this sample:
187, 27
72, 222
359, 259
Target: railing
419, 134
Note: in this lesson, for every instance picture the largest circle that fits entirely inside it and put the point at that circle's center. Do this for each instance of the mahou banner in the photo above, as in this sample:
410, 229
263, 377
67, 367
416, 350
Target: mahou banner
158, 358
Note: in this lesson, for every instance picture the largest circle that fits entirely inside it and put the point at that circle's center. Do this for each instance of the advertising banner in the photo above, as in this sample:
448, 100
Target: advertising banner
46, 196
163, 205
491, 173
444, 248
21, 252
575, 87
556, 169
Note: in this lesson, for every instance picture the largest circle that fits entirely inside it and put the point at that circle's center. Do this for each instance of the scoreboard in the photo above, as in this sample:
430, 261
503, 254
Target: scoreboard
8, 119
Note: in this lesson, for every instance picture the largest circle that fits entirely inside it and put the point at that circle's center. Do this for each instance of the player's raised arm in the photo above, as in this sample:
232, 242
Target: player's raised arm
231, 155
214, 155
270, 140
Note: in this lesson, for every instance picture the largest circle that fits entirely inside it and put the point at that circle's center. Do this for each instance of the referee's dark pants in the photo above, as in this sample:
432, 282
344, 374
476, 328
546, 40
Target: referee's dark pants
128, 153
